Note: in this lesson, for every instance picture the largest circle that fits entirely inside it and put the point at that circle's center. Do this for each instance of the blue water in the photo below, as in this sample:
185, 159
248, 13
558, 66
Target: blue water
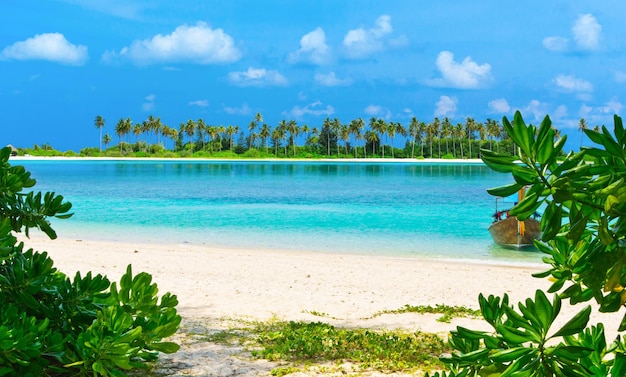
397, 209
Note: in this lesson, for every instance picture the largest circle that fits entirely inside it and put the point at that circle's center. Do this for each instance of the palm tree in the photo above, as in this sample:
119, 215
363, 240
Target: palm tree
413, 132
230, 131
335, 126
582, 126
345, 136
190, 130
276, 137
106, 139
391, 131
201, 126
264, 134
371, 136
355, 128
327, 126
99, 122
459, 132
470, 126
305, 130
446, 132
431, 131
119, 130
137, 131
421, 131
379, 126
401, 130
294, 131
480, 127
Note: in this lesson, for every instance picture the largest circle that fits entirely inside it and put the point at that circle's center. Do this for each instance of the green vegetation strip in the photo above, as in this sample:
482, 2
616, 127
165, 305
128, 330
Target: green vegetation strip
448, 312
319, 345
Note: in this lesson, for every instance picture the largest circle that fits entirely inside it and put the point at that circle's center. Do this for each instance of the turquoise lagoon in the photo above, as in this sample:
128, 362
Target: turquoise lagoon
434, 210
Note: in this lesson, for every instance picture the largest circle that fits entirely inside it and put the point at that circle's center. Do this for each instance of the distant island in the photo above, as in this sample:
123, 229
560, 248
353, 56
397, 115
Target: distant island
375, 138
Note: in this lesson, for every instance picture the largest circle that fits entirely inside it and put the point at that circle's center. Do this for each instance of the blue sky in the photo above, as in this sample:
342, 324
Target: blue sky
62, 62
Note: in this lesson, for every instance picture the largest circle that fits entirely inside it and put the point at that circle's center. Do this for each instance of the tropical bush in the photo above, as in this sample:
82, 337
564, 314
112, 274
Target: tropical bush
584, 239
51, 325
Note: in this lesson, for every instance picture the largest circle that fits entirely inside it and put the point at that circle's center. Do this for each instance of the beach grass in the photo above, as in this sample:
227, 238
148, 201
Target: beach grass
300, 346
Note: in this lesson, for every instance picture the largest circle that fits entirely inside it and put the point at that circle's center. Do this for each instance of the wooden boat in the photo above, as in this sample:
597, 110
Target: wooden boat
508, 231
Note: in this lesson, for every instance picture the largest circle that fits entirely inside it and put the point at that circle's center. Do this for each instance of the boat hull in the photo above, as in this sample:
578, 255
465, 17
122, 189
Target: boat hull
507, 232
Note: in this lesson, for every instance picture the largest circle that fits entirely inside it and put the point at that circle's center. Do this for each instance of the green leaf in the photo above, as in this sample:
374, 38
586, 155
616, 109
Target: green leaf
165, 347
513, 335
526, 207
504, 191
510, 354
551, 221
576, 324
546, 312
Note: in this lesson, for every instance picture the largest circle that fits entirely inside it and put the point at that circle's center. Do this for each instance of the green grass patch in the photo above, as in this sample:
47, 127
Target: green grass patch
389, 351
448, 312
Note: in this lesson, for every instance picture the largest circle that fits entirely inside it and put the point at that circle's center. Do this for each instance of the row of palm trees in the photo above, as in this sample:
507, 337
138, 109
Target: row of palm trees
333, 137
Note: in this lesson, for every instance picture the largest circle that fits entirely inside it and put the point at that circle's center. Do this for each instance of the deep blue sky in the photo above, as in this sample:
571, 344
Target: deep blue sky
62, 62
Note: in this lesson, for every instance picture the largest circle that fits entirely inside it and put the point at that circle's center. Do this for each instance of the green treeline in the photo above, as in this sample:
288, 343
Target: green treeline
375, 138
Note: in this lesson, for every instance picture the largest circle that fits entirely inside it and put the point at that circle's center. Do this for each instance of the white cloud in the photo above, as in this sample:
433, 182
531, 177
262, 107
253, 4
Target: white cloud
446, 106
556, 44
373, 110
197, 44
313, 49
47, 46
571, 84
149, 104
243, 110
330, 79
465, 75
613, 106
359, 43
314, 109
199, 102
586, 32
499, 106
257, 77
537, 109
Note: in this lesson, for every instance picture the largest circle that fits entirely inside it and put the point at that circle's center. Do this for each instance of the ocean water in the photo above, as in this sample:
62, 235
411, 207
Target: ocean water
435, 210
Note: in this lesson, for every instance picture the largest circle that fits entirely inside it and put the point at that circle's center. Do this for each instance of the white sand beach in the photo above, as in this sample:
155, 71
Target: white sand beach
216, 287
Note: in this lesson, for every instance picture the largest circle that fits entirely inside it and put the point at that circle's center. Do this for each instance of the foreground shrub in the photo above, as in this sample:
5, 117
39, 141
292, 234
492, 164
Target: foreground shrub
53, 325
584, 238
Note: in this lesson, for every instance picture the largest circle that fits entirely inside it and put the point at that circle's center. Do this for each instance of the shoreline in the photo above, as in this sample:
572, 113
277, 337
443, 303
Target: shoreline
204, 159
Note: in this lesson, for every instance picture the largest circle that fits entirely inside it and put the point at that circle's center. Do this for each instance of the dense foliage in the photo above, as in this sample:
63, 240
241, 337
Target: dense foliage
583, 235
51, 325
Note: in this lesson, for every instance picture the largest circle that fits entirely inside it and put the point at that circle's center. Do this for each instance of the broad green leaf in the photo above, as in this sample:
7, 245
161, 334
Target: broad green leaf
619, 130
526, 207
521, 134
544, 310
551, 221
165, 347
510, 354
619, 365
504, 191
513, 335
576, 324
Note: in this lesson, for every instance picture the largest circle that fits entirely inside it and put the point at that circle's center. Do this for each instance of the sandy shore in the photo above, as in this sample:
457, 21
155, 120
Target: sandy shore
217, 286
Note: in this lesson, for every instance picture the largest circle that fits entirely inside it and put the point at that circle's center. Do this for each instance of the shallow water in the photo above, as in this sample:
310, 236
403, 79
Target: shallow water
436, 210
